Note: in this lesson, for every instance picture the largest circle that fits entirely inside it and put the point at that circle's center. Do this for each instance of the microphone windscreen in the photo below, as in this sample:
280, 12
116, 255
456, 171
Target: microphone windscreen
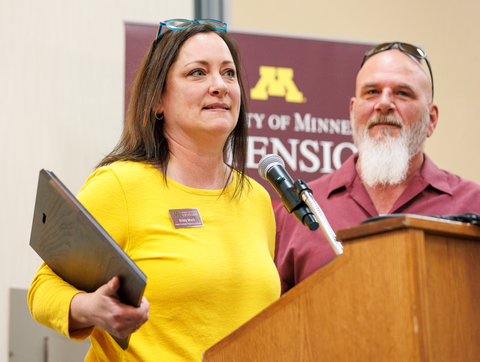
267, 162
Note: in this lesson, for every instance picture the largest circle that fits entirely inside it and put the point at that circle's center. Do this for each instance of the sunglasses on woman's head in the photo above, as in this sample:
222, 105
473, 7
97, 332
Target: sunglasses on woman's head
179, 24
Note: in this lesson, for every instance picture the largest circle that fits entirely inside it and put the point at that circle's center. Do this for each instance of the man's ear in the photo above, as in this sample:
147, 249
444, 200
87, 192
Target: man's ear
352, 109
433, 113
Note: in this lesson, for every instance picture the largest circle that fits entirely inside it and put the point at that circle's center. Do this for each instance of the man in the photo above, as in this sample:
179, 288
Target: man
391, 114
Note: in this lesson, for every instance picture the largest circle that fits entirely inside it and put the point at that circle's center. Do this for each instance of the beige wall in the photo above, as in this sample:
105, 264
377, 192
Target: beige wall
62, 73
448, 30
61, 107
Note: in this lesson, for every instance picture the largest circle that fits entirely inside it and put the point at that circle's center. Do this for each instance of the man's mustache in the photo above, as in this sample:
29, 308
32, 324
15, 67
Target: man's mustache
382, 119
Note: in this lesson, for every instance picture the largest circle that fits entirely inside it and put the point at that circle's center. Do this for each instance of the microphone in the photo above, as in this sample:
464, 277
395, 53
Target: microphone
297, 198
272, 169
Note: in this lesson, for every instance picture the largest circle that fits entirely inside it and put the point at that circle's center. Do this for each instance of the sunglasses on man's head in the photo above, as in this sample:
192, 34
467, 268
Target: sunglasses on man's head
404, 47
179, 24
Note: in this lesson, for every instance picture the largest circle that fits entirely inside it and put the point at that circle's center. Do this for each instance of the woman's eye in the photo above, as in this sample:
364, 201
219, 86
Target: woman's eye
197, 72
230, 73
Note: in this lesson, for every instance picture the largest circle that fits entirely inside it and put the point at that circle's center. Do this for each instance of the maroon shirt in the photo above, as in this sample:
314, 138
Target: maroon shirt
299, 252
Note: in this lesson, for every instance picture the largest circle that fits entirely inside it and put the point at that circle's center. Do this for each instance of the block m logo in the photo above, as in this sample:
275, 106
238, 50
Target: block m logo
276, 82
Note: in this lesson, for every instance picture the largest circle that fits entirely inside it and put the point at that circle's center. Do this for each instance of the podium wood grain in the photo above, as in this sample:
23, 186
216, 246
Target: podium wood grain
405, 289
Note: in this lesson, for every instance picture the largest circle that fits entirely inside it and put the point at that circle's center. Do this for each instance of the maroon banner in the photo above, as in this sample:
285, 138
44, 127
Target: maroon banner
299, 93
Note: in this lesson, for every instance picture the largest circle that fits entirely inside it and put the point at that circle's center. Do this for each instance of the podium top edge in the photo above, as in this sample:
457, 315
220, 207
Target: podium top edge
429, 224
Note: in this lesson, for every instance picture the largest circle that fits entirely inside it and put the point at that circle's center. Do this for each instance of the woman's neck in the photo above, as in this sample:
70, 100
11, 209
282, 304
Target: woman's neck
198, 167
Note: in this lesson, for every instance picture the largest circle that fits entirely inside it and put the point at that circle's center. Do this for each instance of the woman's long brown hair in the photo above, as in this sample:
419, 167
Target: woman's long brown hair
143, 137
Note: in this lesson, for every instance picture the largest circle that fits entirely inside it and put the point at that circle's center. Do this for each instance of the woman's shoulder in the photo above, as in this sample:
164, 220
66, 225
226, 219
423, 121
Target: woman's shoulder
253, 186
127, 167
126, 170
120, 173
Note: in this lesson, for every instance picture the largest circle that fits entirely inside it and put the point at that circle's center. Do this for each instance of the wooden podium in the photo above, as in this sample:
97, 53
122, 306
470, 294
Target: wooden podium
405, 289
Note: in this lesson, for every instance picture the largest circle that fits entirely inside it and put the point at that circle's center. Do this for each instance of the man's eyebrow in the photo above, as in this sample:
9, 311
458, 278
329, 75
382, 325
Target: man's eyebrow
408, 86
413, 91
401, 85
368, 85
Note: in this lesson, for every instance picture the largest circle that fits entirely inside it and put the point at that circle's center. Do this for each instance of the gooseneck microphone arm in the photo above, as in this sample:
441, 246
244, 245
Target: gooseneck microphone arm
297, 198
302, 189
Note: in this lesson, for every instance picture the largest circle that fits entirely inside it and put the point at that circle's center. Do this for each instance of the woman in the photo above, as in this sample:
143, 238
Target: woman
207, 272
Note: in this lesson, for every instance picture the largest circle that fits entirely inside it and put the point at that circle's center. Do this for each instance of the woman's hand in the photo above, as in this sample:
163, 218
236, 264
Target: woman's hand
104, 309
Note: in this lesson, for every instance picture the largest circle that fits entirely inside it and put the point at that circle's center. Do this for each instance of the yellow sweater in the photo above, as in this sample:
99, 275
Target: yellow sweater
202, 282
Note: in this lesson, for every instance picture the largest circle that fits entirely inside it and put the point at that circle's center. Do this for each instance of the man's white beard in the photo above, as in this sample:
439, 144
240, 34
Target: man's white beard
384, 160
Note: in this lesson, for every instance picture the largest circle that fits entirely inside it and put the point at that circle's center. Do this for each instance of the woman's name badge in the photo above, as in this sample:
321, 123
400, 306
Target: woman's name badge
186, 218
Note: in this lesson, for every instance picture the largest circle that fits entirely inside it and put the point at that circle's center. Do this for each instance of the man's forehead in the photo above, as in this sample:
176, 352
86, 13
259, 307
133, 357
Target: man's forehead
392, 63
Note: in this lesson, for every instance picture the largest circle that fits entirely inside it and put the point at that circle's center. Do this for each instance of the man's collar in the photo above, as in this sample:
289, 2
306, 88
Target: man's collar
344, 175
434, 176
430, 173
